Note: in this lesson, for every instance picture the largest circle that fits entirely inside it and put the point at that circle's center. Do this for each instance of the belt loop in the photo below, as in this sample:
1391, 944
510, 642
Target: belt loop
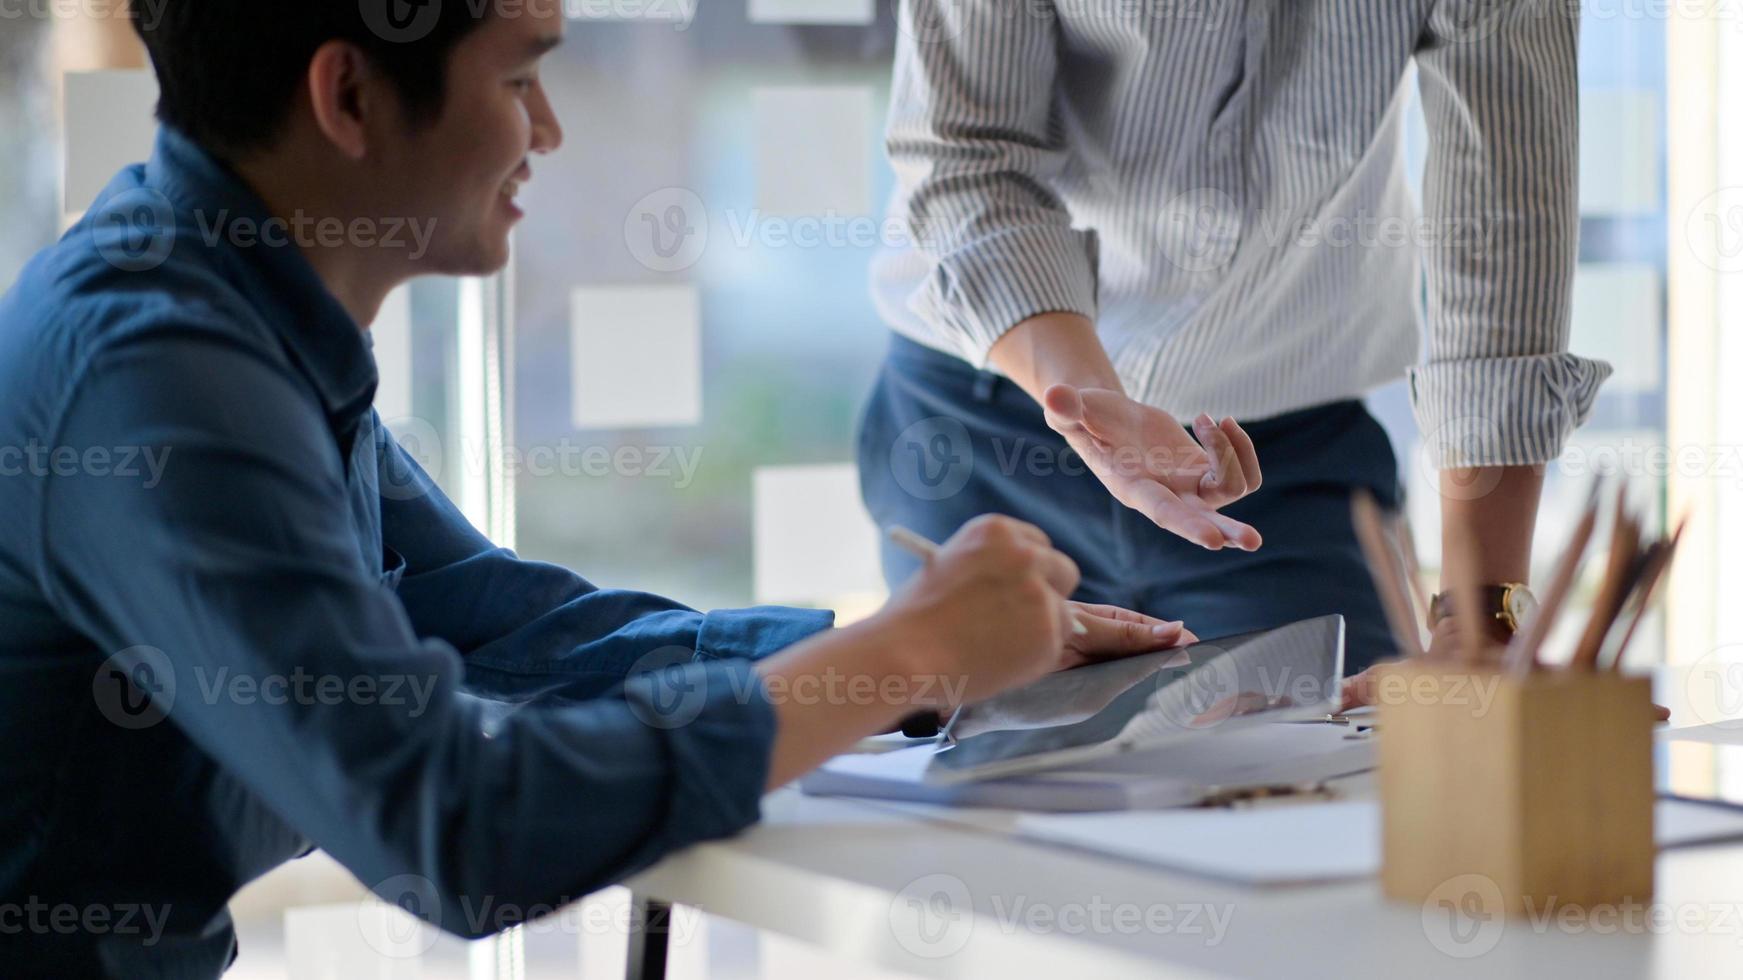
985, 384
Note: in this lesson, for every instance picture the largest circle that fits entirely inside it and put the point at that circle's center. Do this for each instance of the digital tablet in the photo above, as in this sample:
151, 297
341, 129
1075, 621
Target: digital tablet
1293, 672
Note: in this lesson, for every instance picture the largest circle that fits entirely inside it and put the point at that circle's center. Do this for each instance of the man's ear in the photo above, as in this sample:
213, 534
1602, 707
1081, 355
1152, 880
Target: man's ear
343, 93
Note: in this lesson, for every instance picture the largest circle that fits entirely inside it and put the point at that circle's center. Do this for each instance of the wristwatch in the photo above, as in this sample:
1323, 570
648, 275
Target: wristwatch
1511, 604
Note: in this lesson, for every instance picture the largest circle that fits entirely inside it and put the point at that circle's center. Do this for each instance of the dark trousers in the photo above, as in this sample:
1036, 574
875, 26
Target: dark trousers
941, 443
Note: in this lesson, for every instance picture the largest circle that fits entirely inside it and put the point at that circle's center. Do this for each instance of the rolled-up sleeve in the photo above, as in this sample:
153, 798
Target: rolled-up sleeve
241, 564
975, 143
531, 630
1500, 90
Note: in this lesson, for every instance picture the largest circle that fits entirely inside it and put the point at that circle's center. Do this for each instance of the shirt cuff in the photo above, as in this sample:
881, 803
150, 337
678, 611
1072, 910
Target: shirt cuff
757, 632
1504, 411
718, 729
978, 293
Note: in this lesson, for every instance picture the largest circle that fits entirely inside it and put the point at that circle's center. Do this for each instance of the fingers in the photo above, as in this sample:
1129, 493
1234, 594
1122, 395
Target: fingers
1058, 569
1111, 637
1226, 481
1359, 690
1244, 452
1182, 636
1169, 512
1011, 546
1236, 534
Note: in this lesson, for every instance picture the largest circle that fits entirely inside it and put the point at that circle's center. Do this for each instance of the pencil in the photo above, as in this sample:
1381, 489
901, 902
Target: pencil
922, 547
1388, 578
1663, 553
1624, 549
1522, 652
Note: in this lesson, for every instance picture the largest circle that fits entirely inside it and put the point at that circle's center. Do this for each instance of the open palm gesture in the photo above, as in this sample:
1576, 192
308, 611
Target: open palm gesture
1149, 463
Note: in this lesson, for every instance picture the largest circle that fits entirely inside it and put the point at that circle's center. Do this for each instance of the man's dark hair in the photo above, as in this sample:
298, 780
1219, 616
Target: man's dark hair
228, 70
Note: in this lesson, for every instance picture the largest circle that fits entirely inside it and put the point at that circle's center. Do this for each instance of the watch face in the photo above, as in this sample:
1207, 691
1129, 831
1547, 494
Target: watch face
1521, 605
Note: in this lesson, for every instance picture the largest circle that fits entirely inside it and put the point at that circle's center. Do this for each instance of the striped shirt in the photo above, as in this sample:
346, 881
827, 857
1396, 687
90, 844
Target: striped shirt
1220, 186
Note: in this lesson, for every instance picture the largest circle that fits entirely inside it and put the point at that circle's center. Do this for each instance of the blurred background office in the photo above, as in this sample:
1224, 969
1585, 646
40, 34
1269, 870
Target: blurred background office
662, 390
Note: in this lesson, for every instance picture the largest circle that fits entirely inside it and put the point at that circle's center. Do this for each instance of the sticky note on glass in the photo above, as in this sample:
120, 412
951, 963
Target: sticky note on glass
636, 356
814, 540
812, 11
655, 11
814, 150
1621, 134
1618, 316
392, 336
109, 124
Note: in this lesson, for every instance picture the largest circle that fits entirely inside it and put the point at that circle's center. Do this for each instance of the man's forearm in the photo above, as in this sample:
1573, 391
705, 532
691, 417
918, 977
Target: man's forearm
1051, 349
812, 726
1488, 515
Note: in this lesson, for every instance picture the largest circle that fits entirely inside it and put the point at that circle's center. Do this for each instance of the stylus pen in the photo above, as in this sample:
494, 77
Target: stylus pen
921, 547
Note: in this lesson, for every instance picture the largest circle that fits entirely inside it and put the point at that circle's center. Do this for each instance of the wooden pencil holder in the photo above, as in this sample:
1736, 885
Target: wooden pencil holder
1541, 784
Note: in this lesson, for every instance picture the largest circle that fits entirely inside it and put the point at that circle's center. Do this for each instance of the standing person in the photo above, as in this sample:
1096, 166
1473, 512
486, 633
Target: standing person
1122, 215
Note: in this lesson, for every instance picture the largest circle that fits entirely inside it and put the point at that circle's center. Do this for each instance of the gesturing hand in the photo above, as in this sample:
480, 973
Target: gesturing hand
1149, 463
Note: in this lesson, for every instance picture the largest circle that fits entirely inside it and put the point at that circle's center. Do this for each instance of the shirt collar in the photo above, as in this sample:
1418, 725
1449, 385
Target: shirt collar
277, 279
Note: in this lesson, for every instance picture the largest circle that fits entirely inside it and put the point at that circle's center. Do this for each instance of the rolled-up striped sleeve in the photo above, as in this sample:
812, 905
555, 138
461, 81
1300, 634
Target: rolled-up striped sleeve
973, 135
1500, 90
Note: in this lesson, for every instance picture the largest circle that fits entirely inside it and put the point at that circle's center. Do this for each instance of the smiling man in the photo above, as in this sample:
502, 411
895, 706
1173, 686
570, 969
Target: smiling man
286, 637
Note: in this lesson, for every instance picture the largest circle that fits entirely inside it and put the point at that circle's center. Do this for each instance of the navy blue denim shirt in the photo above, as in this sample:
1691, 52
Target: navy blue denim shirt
238, 621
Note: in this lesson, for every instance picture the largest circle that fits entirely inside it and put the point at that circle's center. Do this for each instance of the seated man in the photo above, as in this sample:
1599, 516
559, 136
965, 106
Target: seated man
241, 623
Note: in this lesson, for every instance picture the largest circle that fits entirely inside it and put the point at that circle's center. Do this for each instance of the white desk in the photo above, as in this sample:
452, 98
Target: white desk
922, 892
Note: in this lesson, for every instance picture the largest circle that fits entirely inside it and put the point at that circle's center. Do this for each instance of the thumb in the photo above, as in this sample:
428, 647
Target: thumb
1064, 406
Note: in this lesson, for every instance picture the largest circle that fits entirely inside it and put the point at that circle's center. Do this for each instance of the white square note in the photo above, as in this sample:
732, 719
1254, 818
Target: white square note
814, 540
109, 124
812, 11
814, 151
636, 356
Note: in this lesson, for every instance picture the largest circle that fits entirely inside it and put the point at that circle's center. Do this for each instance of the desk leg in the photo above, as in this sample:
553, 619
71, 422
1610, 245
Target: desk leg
648, 944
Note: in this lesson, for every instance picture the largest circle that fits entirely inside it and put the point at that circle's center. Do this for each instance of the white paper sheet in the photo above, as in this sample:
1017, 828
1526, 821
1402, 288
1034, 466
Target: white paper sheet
1297, 843
1720, 733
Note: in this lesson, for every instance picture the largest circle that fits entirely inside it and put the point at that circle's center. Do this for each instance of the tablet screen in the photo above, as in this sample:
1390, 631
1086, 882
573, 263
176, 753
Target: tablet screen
1288, 672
